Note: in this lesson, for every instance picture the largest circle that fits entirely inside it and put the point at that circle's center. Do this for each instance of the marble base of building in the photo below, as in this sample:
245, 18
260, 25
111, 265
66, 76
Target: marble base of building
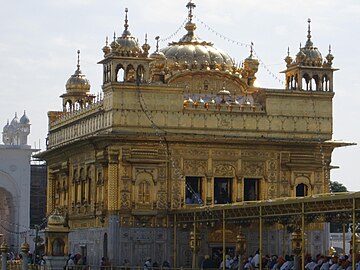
55, 262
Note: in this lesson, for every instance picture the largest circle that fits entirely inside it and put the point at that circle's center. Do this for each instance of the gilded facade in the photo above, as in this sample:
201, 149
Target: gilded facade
183, 127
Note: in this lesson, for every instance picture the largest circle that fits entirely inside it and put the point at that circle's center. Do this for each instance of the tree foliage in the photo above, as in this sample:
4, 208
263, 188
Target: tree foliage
337, 187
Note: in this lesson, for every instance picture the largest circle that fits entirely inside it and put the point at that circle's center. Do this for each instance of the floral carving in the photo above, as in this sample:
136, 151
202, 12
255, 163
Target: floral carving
224, 170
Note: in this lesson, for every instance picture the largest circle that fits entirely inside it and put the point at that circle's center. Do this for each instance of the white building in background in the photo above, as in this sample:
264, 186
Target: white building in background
15, 155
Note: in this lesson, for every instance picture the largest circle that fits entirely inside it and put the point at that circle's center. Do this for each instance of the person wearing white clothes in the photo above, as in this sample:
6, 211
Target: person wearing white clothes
325, 264
227, 263
256, 260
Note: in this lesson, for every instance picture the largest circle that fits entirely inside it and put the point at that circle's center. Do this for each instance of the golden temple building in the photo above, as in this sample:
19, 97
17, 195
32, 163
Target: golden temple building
185, 127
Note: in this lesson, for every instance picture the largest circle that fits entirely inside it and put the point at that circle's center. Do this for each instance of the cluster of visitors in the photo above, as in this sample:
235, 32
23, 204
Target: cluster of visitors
76, 262
148, 265
275, 262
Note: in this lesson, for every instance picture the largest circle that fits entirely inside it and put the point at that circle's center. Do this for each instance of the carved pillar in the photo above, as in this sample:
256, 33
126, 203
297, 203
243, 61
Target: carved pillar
50, 202
113, 181
239, 188
209, 189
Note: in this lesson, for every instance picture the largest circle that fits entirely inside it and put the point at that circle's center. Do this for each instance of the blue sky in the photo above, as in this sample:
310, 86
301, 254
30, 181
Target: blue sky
39, 40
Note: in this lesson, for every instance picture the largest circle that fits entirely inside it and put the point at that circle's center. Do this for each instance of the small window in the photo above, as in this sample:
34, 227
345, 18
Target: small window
193, 190
222, 190
144, 192
301, 190
251, 189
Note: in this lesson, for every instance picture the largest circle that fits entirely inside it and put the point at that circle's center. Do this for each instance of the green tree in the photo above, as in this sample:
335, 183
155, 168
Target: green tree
337, 187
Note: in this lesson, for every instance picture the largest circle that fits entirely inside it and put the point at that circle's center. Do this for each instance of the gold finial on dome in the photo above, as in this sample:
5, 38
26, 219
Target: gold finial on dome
309, 43
126, 25
329, 58
157, 43
288, 58
106, 49
190, 7
78, 60
146, 46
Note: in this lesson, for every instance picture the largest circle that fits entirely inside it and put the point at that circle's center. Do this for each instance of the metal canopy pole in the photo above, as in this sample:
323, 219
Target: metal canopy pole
223, 240
343, 236
260, 236
353, 235
195, 242
302, 235
175, 240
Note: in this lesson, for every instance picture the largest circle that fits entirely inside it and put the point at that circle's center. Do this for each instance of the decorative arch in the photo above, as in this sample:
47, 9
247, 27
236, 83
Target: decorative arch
130, 73
306, 82
120, 73
140, 74
302, 185
301, 190
58, 247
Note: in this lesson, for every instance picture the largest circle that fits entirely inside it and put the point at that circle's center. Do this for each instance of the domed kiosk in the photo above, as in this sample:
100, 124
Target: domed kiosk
56, 241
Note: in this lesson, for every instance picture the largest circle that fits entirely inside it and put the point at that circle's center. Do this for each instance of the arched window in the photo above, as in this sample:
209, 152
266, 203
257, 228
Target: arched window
140, 74
144, 192
89, 182
82, 195
120, 73
301, 190
305, 82
58, 247
130, 73
317, 84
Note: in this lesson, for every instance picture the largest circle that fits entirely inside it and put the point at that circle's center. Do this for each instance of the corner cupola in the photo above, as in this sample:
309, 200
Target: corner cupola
309, 71
125, 61
77, 90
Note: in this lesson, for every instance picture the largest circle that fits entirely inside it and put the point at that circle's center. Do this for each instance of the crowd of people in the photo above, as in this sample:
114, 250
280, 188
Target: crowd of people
275, 262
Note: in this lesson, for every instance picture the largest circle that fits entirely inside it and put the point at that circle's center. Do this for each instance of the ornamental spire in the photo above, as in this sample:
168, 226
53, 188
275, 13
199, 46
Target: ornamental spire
126, 25
309, 43
78, 60
190, 7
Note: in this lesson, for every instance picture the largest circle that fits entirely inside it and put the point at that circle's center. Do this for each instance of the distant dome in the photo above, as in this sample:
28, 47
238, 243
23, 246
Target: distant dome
77, 82
15, 121
24, 119
6, 127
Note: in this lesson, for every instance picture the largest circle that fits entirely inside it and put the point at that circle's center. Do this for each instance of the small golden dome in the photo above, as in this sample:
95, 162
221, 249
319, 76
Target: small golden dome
77, 82
127, 44
25, 247
309, 55
4, 248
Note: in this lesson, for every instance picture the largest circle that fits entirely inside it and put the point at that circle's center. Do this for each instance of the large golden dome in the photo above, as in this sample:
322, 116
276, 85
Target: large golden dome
191, 53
